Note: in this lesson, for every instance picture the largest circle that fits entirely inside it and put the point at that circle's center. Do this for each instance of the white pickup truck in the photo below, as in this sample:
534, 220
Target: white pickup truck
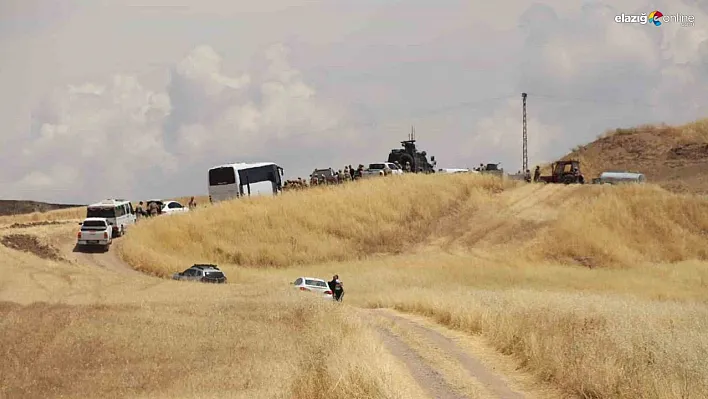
95, 232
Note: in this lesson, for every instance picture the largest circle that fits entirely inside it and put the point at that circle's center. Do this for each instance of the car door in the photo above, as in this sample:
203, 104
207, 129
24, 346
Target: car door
198, 274
189, 274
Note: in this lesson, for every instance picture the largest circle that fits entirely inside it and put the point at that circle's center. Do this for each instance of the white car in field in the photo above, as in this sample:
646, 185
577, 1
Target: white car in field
171, 207
168, 207
314, 285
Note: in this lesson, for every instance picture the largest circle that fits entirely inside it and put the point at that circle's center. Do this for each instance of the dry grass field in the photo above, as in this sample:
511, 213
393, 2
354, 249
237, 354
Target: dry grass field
601, 291
73, 328
564, 291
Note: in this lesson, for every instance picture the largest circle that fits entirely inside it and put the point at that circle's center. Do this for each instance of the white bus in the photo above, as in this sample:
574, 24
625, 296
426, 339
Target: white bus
118, 212
243, 180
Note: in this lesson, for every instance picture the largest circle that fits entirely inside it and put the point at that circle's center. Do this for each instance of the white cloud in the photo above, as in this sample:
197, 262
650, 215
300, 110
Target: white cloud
104, 99
500, 135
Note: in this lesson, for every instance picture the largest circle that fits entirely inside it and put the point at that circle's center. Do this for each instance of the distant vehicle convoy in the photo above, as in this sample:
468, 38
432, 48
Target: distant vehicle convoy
244, 179
96, 232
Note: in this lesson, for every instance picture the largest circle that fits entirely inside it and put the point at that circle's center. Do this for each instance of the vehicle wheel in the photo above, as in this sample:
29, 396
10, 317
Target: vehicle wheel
568, 180
407, 158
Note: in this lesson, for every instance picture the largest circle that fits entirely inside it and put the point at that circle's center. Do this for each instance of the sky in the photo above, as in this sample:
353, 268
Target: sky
137, 99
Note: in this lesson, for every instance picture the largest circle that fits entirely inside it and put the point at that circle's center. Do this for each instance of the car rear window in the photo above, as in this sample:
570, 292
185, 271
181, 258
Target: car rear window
93, 225
214, 274
377, 166
316, 283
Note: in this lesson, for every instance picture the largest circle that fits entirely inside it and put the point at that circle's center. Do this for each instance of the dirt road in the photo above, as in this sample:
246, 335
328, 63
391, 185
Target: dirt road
107, 260
452, 365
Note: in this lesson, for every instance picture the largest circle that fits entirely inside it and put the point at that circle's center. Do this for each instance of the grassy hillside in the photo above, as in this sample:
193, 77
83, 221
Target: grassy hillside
318, 225
571, 280
675, 157
600, 226
14, 207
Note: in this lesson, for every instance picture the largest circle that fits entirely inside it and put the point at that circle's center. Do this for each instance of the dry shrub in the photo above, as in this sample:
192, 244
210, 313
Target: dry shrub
322, 224
625, 225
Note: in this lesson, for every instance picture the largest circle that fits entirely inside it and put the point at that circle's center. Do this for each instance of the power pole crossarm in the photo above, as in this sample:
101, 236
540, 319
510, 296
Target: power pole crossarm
525, 155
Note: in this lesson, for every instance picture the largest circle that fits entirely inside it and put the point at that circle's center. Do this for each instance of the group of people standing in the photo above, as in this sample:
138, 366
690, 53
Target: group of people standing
332, 177
348, 174
154, 208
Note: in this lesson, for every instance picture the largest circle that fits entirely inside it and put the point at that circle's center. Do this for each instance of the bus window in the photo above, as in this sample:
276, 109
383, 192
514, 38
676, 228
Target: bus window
257, 175
221, 176
101, 213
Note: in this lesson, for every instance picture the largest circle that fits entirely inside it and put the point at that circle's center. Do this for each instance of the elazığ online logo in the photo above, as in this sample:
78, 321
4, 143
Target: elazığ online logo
656, 17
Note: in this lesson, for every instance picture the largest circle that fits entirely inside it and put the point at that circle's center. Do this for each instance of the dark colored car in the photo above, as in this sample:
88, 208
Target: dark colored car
205, 273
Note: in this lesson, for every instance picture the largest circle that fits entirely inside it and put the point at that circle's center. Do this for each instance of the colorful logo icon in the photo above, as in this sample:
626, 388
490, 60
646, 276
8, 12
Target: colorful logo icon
655, 17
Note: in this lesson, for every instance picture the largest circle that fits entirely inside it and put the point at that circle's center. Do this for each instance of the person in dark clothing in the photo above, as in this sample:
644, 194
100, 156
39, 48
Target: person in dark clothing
336, 287
537, 174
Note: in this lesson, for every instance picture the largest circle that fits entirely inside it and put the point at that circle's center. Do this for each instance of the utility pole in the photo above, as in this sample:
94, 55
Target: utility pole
525, 160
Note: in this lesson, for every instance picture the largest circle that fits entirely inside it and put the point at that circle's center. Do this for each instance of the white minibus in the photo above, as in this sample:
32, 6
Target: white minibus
118, 212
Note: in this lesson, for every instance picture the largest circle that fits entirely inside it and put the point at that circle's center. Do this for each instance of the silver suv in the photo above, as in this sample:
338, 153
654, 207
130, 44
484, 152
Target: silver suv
205, 273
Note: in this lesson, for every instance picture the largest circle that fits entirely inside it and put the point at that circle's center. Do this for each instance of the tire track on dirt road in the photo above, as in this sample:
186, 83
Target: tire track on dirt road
108, 260
472, 369
492, 384
532, 204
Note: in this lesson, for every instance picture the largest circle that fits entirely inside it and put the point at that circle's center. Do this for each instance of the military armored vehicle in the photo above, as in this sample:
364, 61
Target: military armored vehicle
417, 159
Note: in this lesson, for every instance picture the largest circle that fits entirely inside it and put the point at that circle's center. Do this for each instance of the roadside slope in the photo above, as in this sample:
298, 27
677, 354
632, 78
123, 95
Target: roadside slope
384, 216
675, 157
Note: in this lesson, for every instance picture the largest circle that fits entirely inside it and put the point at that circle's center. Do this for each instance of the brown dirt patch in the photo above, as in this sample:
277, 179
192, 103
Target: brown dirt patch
35, 224
30, 244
